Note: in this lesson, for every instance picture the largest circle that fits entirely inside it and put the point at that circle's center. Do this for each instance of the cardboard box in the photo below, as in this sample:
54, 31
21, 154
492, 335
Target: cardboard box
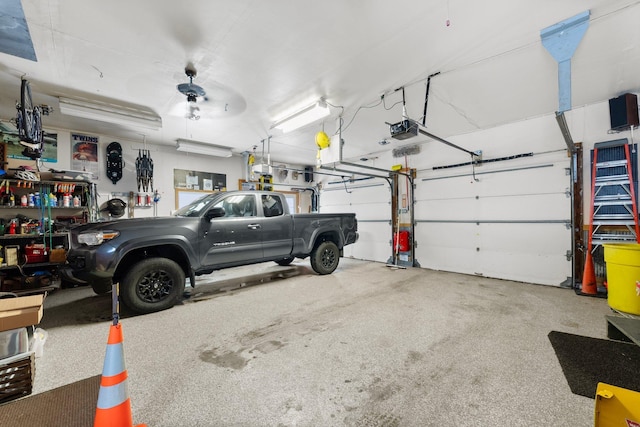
57, 255
20, 312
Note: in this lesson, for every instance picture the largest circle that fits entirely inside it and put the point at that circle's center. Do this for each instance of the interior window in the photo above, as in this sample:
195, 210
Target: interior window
272, 206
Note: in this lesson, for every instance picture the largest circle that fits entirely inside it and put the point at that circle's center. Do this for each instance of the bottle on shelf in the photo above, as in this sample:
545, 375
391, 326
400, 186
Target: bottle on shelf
12, 227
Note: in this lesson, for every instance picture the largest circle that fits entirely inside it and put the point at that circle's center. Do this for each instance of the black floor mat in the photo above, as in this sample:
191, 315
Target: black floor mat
587, 361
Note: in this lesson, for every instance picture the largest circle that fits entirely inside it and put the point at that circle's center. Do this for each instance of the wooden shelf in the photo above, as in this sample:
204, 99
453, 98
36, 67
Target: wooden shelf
31, 265
32, 236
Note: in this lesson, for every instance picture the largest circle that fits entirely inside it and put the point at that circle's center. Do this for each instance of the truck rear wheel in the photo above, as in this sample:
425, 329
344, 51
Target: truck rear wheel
152, 284
325, 257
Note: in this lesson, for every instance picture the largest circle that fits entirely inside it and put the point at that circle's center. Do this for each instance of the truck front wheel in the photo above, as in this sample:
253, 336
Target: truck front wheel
325, 258
152, 284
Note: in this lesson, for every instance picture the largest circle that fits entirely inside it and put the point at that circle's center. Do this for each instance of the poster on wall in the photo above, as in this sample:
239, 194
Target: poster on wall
84, 153
10, 136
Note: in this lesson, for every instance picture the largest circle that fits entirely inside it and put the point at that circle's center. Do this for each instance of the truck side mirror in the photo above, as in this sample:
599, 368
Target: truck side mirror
216, 212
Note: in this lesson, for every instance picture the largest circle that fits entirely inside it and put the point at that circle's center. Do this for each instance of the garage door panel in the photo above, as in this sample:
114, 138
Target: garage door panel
534, 180
523, 207
440, 189
356, 195
526, 239
373, 242
455, 209
445, 246
533, 253
511, 207
523, 252
493, 182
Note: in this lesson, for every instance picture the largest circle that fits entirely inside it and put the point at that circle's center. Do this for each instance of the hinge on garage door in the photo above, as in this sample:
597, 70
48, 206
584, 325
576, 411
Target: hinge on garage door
567, 193
569, 255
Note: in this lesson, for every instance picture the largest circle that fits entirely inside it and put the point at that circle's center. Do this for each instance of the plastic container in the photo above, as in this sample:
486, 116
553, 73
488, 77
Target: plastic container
38, 340
623, 276
13, 342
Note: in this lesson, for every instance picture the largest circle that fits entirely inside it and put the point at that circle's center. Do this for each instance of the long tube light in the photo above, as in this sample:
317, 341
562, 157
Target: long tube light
303, 117
109, 113
196, 147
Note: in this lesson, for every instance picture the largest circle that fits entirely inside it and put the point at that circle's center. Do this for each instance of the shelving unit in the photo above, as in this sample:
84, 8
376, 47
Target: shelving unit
39, 228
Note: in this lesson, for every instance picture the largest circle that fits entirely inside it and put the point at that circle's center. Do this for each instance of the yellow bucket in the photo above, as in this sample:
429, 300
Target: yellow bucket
623, 276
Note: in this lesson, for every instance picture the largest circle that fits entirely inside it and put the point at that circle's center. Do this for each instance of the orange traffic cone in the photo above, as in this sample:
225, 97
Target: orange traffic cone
589, 285
114, 406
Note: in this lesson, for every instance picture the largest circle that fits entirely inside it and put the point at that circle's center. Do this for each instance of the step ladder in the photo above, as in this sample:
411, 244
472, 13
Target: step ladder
614, 211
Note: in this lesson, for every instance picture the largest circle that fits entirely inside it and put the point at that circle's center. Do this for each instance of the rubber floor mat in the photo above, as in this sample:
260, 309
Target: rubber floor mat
586, 361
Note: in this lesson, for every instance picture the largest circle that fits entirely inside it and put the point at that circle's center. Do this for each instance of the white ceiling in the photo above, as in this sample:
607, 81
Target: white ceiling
260, 58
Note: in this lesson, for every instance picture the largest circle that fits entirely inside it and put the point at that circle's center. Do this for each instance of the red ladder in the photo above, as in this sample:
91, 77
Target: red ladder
605, 225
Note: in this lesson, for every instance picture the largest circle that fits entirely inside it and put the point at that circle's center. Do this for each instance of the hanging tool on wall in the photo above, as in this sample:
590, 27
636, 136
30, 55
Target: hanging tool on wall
144, 170
115, 164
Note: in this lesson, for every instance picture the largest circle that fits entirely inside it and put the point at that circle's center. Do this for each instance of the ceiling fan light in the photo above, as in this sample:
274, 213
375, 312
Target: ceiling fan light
193, 111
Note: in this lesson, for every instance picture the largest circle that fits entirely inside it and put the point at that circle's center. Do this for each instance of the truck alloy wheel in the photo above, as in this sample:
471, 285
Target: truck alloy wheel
153, 284
325, 258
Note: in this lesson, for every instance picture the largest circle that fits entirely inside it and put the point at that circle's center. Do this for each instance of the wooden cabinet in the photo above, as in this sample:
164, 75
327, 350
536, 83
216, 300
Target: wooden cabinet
34, 219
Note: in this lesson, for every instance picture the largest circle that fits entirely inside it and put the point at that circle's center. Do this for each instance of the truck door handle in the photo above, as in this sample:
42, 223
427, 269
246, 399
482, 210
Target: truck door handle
253, 226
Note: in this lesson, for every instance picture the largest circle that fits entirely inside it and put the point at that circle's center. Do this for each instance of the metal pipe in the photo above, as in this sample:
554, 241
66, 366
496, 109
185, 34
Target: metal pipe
365, 167
444, 141
566, 134
352, 172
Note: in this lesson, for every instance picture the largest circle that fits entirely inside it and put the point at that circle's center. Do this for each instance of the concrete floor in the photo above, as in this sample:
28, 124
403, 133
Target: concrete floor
366, 346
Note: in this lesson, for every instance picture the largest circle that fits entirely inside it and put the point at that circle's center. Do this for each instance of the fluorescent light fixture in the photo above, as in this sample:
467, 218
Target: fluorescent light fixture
110, 113
303, 117
196, 147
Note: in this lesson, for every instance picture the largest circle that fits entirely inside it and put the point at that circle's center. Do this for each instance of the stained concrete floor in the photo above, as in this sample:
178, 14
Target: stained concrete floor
366, 346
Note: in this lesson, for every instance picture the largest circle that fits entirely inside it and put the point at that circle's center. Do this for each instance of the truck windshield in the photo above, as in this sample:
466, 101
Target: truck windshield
197, 207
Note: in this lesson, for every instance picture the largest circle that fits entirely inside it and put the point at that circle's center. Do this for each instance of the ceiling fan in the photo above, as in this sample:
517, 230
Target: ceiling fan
192, 92
223, 102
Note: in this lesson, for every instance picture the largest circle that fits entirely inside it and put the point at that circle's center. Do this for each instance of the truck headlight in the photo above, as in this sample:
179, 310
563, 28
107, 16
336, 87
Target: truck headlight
96, 238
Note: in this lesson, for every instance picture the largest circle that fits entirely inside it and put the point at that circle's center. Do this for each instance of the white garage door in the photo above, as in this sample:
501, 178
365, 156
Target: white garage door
370, 200
513, 223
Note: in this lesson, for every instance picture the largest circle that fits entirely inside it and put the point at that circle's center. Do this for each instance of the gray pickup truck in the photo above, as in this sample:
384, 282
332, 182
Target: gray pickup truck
151, 257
